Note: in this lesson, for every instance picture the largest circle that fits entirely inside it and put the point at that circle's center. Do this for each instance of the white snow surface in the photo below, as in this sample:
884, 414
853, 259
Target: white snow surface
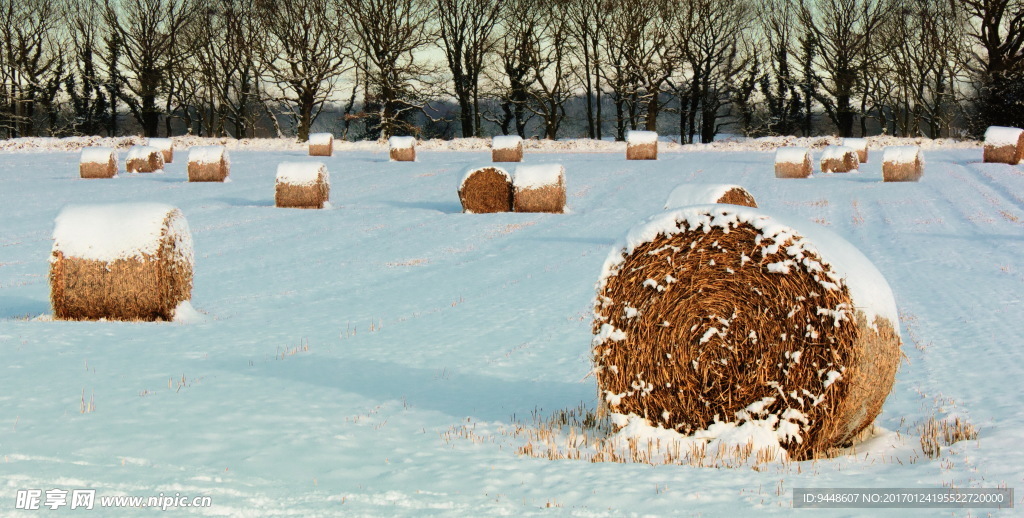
321, 139
163, 144
402, 142
208, 155
537, 175
1000, 136
836, 152
858, 144
641, 137
901, 154
697, 194
117, 231
474, 168
506, 142
791, 155
302, 173
98, 155
142, 152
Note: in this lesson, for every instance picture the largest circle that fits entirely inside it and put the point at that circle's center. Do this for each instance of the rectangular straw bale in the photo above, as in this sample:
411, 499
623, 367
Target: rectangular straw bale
1004, 145
793, 162
321, 144
507, 148
539, 188
98, 162
208, 164
902, 164
641, 145
302, 185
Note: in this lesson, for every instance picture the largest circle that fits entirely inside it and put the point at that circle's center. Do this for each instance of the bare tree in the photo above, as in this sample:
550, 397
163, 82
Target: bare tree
513, 75
997, 63
549, 57
466, 27
30, 63
778, 83
84, 82
588, 20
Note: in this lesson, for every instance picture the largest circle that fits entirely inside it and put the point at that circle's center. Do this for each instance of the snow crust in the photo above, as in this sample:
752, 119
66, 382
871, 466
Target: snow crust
301, 173
163, 144
402, 142
208, 155
697, 194
1000, 136
321, 139
472, 169
118, 231
641, 137
537, 175
506, 142
859, 144
98, 155
836, 152
901, 154
791, 155
141, 152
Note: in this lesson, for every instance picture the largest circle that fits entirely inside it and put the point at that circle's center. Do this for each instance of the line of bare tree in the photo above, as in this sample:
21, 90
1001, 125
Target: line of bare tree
551, 68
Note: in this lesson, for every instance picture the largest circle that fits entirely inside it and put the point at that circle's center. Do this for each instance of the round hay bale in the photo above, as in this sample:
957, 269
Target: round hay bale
839, 159
902, 164
402, 149
321, 144
1004, 145
507, 148
144, 159
641, 145
98, 162
166, 147
129, 261
302, 185
539, 188
208, 164
707, 193
717, 313
860, 145
793, 162
486, 189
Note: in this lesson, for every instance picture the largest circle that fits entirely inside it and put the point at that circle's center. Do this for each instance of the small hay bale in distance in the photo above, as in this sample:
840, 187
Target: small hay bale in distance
144, 159
166, 147
321, 144
860, 145
708, 193
902, 164
723, 313
839, 159
507, 148
793, 162
1004, 145
539, 188
130, 261
641, 145
402, 149
98, 162
486, 189
208, 164
302, 185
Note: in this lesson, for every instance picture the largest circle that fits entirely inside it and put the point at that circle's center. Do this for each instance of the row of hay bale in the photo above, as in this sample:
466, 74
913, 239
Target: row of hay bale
899, 163
530, 188
205, 163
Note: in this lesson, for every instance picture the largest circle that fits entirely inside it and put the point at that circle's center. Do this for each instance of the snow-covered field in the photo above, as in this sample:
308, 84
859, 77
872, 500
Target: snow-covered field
376, 358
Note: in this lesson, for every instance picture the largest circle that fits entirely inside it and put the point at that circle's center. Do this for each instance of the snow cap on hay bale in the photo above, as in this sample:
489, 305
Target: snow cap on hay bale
1004, 145
321, 144
641, 145
486, 189
507, 148
208, 164
723, 313
303, 185
144, 159
539, 188
902, 164
839, 159
128, 261
793, 162
860, 145
166, 147
688, 194
402, 149
98, 162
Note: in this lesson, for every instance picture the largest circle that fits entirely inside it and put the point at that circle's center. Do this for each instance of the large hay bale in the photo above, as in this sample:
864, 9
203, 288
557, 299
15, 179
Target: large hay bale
208, 164
1004, 145
708, 193
860, 145
321, 144
97, 162
721, 313
402, 149
793, 162
641, 145
486, 189
507, 148
902, 164
120, 262
302, 185
839, 159
539, 188
166, 147
144, 159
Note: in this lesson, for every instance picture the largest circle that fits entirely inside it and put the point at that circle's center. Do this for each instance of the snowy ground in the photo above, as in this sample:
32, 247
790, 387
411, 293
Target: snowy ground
368, 360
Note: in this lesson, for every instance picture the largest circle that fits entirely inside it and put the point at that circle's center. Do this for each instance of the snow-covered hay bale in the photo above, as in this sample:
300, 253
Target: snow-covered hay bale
1004, 145
539, 188
321, 144
793, 162
902, 164
839, 159
721, 313
708, 193
486, 189
302, 185
144, 159
166, 147
98, 162
120, 262
860, 145
507, 148
402, 149
641, 145
208, 164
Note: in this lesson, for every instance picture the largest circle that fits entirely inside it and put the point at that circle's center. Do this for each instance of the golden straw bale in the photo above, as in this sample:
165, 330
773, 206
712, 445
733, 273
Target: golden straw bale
539, 188
486, 189
402, 149
839, 159
1004, 145
860, 145
98, 162
208, 164
507, 148
902, 164
144, 159
793, 162
321, 144
166, 147
302, 185
641, 145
